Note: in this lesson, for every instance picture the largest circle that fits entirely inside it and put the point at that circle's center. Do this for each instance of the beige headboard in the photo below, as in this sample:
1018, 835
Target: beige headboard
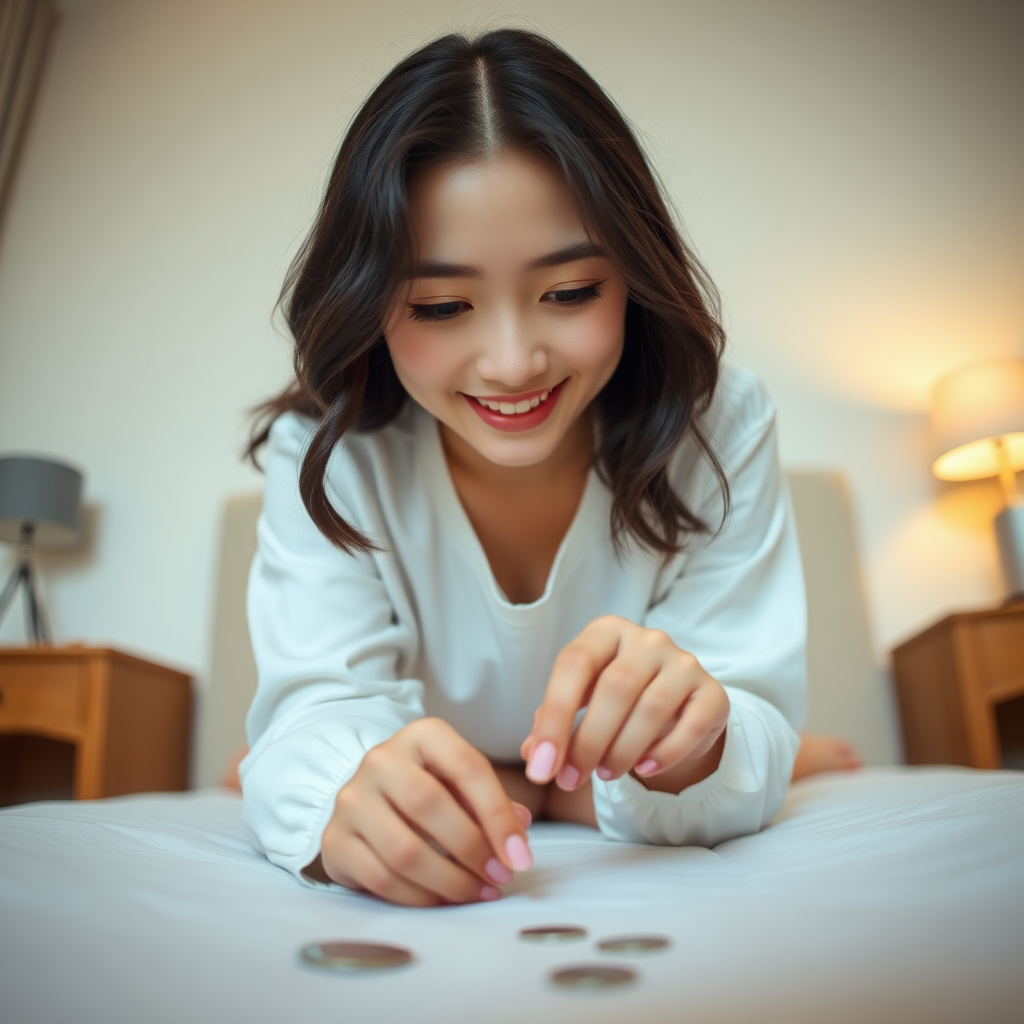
222, 707
849, 693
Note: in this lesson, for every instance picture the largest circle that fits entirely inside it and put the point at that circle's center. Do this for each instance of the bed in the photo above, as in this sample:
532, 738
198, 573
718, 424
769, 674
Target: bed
890, 894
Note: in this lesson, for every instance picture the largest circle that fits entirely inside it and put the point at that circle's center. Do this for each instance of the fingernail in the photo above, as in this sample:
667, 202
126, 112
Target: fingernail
646, 766
523, 814
518, 853
568, 777
605, 774
497, 872
488, 893
542, 764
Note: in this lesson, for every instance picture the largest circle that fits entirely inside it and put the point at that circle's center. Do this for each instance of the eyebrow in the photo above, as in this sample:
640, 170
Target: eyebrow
583, 250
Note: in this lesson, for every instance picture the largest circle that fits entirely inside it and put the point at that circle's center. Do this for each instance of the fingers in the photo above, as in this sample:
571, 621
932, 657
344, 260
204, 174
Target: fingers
655, 714
411, 872
347, 859
623, 701
424, 820
649, 705
699, 727
519, 789
576, 669
523, 814
408, 856
449, 757
432, 810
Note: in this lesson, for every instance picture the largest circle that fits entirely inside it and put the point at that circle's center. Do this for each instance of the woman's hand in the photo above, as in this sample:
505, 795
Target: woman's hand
651, 709
424, 821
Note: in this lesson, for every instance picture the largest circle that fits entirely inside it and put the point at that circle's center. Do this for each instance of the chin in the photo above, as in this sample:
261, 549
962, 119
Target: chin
516, 452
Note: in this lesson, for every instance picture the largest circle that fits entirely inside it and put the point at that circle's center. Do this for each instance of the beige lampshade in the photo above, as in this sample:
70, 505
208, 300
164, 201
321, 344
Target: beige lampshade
974, 411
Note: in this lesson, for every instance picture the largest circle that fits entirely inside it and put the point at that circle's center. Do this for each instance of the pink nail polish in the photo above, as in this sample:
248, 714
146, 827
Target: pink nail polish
542, 763
568, 777
605, 774
497, 872
488, 893
646, 766
518, 853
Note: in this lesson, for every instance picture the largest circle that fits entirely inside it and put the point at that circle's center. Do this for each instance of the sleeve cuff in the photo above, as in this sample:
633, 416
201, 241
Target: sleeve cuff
286, 822
738, 798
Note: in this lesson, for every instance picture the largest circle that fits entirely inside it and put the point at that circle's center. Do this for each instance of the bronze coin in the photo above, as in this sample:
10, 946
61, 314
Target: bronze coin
551, 933
633, 944
592, 976
351, 957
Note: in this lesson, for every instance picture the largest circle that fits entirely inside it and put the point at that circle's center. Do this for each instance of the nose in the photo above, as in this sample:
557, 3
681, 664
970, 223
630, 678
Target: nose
511, 355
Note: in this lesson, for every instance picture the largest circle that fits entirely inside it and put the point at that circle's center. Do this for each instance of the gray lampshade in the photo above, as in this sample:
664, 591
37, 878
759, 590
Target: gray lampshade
45, 493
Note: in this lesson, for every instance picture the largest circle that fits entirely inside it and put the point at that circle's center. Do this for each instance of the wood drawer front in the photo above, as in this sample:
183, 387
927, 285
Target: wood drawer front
1000, 648
42, 698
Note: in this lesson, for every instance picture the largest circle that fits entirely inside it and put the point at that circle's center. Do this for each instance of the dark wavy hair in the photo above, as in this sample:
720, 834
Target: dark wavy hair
459, 98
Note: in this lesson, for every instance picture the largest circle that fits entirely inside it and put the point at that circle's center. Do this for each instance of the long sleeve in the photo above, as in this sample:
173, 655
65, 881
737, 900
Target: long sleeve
736, 601
330, 651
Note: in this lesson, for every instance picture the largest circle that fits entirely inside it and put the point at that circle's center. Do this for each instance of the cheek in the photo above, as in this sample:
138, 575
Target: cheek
594, 343
422, 360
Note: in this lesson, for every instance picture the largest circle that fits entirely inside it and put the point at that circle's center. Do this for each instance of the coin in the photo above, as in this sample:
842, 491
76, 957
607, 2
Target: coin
553, 933
633, 944
592, 976
355, 956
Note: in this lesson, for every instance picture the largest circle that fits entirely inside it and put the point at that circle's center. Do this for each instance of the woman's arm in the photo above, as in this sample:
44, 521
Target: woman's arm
333, 643
735, 602
714, 677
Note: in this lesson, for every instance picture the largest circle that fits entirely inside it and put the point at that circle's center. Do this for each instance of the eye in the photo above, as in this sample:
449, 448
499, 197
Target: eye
574, 296
436, 310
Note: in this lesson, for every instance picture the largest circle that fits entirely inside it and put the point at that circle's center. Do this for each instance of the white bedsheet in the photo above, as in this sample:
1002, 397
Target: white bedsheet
889, 895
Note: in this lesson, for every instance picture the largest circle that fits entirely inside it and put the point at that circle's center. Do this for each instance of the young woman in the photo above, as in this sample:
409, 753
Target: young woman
525, 546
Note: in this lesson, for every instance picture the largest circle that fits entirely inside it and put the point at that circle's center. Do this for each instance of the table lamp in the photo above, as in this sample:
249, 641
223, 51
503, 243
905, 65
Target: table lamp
977, 419
40, 503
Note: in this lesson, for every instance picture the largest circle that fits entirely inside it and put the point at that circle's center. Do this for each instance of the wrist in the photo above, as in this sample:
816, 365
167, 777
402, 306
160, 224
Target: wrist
687, 773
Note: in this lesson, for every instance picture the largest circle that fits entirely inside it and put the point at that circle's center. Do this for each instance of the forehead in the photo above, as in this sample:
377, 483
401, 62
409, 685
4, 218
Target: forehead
481, 208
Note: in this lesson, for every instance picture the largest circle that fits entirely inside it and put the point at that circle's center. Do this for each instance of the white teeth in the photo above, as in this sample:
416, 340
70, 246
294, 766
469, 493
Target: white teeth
514, 408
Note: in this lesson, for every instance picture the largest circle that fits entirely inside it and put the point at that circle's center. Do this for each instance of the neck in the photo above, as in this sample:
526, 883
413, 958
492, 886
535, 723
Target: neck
572, 457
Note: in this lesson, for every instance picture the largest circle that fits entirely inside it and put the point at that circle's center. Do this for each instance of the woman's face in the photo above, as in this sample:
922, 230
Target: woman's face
514, 319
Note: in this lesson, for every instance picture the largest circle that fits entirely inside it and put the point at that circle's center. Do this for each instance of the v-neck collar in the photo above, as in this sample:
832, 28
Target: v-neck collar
434, 466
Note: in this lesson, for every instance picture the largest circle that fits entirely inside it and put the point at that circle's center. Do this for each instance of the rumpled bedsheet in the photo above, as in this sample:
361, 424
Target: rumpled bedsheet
884, 895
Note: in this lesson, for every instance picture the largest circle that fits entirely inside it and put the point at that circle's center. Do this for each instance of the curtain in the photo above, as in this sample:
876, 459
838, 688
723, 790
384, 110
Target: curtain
25, 29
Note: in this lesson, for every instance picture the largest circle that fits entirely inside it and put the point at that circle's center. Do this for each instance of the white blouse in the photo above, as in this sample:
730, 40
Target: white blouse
350, 648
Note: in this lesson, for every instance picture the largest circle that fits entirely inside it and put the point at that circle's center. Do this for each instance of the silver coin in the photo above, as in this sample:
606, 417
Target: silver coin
592, 976
355, 956
633, 944
553, 933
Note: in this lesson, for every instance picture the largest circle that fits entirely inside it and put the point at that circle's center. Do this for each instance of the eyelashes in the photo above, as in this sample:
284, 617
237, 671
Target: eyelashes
437, 311
433, 312
576, 296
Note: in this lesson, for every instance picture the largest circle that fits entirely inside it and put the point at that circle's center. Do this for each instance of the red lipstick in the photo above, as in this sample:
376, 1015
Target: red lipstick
516, 421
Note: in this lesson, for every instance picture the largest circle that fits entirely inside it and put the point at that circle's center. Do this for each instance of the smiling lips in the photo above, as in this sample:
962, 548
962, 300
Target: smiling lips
525, 413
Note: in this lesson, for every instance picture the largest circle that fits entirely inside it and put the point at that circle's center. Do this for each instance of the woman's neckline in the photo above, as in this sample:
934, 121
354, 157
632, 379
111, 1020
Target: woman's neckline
456, 518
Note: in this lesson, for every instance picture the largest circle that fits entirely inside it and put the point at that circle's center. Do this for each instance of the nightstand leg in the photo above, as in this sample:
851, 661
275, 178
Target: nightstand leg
979, 717
90, 757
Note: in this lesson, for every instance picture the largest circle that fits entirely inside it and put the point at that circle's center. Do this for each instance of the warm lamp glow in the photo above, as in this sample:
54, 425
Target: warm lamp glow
980, 459
978, 422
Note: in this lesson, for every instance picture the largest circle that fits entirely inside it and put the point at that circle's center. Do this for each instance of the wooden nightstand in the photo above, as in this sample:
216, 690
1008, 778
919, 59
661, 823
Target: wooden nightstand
960, 686
90, 722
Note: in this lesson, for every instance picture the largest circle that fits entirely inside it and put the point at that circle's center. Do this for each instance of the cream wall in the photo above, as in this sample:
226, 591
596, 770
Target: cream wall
849, 171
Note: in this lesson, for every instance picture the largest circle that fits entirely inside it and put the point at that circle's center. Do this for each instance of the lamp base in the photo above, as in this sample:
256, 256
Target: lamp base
35, 619
1010, 538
